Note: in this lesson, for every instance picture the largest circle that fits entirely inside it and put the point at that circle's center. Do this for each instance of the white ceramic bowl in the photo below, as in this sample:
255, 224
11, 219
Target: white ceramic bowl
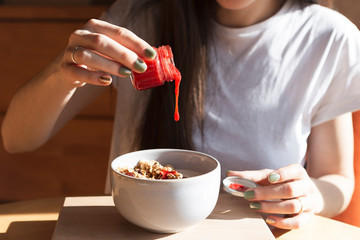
169, 205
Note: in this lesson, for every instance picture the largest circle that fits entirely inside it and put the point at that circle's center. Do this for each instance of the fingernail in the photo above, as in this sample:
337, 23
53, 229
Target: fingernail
105, 79
255, 205
270, 220
274, 177
150, 53
124, 71
249, 194
140, 65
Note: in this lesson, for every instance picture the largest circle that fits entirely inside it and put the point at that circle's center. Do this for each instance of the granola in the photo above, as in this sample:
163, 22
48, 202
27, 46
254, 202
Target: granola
151, 170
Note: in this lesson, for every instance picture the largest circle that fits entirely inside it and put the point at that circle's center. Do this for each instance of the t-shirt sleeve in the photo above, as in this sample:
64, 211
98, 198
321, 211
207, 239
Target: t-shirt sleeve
343, 91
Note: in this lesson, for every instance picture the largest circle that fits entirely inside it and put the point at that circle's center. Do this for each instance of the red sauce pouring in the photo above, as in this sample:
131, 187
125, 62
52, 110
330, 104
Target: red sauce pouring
159, 70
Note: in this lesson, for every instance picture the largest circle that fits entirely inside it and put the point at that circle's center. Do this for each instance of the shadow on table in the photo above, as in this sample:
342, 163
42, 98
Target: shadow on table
29, 230
101, 221
279, 232
232, 208
98, 222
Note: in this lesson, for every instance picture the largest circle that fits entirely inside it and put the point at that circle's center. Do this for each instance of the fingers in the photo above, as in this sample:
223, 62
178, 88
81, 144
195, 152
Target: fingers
106, 48
289, 206
294, 222
266, 176
258, 176
123, 36
83, 56
113, 42
101, 49
285, 183
288, 173
79, 76
286, 190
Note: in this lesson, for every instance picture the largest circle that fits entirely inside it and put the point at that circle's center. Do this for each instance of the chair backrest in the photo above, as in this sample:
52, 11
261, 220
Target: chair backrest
352, 214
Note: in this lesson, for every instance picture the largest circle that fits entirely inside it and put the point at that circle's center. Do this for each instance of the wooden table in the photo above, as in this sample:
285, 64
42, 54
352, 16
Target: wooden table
36, 219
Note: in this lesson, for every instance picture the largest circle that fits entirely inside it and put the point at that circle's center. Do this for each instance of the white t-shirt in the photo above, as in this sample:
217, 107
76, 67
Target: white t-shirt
268, 85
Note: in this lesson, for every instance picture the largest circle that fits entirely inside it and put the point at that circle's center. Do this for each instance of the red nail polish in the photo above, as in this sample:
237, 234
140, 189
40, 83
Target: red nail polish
161, 69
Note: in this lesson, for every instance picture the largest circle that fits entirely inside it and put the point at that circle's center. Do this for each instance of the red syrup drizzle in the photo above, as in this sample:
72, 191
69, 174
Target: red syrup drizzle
177, 86
159, 70
238, 187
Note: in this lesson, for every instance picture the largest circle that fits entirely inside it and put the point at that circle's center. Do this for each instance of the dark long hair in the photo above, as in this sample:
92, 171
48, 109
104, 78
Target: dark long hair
184, 25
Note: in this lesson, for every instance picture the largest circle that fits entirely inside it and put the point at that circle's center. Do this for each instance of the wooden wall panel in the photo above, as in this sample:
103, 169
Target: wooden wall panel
27, 46
29, 12
74, 162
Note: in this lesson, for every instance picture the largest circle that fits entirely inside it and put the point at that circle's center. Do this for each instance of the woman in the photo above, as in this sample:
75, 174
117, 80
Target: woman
267, 88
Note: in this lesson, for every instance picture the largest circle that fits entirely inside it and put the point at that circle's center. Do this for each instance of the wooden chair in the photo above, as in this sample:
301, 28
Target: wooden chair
352, 214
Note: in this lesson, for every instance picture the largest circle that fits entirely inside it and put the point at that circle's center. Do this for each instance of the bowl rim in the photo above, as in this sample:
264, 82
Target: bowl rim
168, 180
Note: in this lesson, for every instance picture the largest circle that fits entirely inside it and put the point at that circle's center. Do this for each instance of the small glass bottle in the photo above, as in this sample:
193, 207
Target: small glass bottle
159, 70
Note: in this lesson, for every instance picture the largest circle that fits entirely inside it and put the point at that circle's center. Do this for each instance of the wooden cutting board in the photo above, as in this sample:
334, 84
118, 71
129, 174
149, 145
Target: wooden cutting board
97, 218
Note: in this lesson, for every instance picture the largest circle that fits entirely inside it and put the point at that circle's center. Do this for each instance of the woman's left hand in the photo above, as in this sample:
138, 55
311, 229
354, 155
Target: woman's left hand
291, 193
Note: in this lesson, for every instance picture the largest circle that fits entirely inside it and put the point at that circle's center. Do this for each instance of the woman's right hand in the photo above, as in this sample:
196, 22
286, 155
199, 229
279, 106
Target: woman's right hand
100, 49
44, 104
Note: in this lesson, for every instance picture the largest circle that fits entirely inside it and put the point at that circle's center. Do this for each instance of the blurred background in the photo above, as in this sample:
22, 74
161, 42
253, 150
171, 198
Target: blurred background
32, 33
74, 162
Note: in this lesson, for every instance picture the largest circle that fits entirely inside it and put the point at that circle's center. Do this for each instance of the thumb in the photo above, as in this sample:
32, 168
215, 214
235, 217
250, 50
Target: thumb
258, 176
